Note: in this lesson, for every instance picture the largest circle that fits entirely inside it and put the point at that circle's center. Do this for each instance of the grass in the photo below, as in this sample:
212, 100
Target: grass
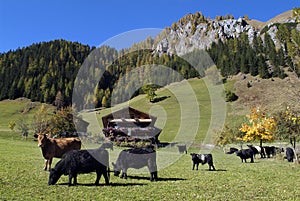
22, 178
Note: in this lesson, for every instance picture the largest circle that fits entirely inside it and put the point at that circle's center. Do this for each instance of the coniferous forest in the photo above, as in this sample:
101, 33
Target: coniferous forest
41, 71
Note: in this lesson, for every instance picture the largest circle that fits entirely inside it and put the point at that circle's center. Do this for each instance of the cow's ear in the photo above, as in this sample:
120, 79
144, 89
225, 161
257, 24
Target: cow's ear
35, 135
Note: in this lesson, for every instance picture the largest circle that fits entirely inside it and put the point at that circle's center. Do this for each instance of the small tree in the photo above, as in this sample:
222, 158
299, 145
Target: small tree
41, 120
23, 126
229, 135
288, 126
259, 128
150, 92
62, 121
12, 125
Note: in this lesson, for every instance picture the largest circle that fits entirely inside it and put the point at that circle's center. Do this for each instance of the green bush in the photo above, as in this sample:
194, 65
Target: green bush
230, 96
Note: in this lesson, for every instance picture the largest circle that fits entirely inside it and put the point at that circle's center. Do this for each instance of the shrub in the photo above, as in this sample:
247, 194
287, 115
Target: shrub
230, 96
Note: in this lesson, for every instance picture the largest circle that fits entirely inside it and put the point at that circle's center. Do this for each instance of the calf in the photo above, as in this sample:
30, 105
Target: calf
203, 159
55, 147
289, 154
136, 158
245, 154
81, 161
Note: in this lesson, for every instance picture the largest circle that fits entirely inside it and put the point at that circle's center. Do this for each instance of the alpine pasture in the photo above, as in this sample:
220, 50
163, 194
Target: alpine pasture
22, 176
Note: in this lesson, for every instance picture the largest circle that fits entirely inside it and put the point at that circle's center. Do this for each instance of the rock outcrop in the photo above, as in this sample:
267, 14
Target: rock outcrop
183, 38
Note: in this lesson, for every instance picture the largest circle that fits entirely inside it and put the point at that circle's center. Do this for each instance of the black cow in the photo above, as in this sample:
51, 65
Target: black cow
245, 154
81, 161
203, 159
232, 150
289, 154
272, 150
257, 150
136, 158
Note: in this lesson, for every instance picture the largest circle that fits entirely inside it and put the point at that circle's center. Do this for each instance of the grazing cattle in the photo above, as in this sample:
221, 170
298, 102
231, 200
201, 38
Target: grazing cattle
289, 154
55, 147
136, 158
81, 161
203, 159
232, 150
244, 154
272, 150
257, 150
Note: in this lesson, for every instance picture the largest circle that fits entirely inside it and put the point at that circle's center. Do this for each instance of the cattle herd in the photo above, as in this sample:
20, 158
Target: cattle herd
263, 151
75, 161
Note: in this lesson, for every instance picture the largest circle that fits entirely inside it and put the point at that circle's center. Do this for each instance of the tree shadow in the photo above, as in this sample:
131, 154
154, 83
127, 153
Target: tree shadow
158, 99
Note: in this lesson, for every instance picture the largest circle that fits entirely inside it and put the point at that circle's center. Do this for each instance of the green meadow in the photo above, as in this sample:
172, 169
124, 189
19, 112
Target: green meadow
22, 176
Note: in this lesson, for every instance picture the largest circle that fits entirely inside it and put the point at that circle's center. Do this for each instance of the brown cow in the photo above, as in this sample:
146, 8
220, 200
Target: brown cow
56, 147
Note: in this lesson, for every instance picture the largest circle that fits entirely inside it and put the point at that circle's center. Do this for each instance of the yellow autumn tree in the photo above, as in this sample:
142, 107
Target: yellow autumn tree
260, 127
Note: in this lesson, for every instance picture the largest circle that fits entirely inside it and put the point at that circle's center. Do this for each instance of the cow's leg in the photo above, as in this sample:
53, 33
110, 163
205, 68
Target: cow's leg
105, 174
98, 173
154, 176
151, 176
193, 166
75, 179
124, 174
197, 165
70, 179
211, 166
45, 164
252, 160
49, 163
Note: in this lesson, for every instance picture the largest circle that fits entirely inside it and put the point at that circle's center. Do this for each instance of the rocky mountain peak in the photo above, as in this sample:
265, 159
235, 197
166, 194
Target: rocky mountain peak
196, 31
183, 38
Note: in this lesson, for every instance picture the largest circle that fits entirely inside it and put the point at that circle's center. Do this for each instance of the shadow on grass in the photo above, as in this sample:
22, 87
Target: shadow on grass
158, 99
158, 179
217, 170
102, 184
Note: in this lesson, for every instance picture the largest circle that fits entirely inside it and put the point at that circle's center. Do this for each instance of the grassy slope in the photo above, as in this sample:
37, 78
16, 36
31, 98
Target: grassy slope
176, 113
11, 110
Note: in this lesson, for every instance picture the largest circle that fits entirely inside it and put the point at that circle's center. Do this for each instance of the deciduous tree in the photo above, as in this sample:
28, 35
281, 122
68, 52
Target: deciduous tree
260, 126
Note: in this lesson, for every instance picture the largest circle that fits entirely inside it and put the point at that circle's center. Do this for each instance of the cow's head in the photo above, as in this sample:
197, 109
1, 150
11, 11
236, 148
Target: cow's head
117, 170
42, 138
194, 156
53, 177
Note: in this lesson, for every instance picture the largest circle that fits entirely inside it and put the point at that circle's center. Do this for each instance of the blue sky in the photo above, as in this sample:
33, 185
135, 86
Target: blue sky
23, 22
